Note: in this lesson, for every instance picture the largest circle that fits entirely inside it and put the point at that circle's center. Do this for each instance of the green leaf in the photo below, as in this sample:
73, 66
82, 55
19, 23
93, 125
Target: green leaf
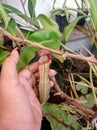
44, 35
90, 100
1, 39
93, 9
3, 55
81, 87
62, 116
35, 22
26, 55
50, 44
4, 15
58, 57
31, 7
58, 11
11, 9
68, 29
12, 27
47, 38
49, 23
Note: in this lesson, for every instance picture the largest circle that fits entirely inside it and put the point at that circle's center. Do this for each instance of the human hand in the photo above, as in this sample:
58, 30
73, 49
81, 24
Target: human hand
19, 107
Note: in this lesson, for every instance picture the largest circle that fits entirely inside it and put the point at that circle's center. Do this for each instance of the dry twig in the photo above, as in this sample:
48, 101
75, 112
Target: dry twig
88, 112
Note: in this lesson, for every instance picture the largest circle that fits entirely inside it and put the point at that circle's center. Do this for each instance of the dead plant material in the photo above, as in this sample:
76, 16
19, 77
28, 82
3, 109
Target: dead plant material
87, 112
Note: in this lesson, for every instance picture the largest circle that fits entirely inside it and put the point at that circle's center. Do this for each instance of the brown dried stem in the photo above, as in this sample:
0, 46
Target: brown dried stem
57, 120
88, 112
35, 44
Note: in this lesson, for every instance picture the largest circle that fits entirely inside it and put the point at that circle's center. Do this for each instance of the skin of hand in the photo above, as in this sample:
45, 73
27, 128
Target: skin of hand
19, 106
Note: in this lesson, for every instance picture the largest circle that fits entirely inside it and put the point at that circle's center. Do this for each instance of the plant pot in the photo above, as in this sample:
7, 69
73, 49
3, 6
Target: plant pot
61, 21
81, 22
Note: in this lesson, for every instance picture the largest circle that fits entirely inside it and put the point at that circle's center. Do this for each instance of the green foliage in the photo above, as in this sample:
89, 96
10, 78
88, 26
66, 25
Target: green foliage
58, 11
80, 86
61, 116
26, 55
93, 11
1, 40
49, 24
4, 15
85, 95
89, 98
69, 29
44, 35
91, 27
11, 9
49, 36
31, 20
31, 7
11, 28
86, 86
3, 55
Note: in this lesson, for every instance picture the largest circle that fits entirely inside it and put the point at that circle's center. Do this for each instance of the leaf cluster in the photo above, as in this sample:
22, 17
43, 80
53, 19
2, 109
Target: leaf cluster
48, 35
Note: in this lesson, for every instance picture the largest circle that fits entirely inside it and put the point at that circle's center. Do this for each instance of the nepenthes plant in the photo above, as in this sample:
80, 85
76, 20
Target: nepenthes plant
33, 39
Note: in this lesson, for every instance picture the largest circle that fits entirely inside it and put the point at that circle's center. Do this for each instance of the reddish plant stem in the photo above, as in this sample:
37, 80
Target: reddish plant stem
88, 112
35, 44
43, 47
59, 121
80, 57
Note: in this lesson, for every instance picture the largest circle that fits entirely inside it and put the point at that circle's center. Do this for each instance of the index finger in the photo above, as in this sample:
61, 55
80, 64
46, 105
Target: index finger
33, 67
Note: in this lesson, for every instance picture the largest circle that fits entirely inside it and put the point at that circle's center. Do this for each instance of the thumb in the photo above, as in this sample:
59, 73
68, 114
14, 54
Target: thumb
8, 72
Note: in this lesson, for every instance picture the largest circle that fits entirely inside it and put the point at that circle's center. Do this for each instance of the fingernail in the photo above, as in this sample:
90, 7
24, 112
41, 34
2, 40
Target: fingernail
14, 51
